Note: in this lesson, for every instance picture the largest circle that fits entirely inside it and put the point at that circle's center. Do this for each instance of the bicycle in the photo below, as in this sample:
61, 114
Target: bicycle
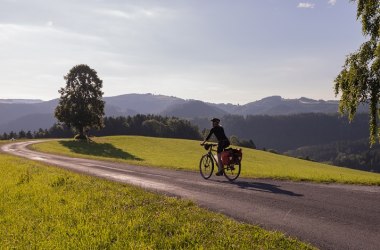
206, 165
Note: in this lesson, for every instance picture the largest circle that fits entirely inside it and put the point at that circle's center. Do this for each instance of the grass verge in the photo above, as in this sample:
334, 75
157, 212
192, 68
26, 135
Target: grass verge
185, 154
45, 207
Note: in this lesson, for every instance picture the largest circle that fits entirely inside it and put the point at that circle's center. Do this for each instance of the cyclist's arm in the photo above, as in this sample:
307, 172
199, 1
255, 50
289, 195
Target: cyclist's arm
208, 136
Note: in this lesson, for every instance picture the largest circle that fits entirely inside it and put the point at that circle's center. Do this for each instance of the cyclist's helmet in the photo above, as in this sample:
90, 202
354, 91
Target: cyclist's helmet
215, 119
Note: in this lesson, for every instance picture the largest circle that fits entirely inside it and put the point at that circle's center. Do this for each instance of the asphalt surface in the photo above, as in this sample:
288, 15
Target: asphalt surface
327, 216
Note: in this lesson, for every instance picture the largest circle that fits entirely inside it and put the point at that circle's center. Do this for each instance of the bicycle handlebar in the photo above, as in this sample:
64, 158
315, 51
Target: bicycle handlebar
208, 146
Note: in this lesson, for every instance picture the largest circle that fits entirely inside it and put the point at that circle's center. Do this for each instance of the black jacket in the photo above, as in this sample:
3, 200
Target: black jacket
218, 131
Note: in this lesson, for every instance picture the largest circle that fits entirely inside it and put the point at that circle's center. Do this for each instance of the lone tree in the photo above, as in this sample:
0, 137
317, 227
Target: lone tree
81, 105
359, 81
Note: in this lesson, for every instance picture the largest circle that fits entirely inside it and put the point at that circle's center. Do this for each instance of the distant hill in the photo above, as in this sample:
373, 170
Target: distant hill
16, 111
289, 132
192, 108
11, 112
276, 105
13, 101
30, 122
131, 104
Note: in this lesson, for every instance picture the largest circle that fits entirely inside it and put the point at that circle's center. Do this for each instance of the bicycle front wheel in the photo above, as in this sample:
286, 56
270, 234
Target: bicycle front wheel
232, 171
206, 166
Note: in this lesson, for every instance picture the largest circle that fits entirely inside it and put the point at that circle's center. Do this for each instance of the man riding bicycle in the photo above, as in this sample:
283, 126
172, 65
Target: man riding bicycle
223, 142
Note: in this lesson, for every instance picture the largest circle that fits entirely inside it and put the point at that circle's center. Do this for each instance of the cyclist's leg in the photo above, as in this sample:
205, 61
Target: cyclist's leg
221, 146
220, 164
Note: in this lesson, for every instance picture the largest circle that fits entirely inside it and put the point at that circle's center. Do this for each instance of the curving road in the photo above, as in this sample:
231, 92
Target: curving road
328, 216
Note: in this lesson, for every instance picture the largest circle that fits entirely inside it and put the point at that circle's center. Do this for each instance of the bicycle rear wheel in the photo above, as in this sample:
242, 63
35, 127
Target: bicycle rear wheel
232, 171
206, 166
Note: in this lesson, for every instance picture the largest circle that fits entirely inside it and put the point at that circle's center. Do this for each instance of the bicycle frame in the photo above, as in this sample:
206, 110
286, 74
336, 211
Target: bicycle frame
211, 154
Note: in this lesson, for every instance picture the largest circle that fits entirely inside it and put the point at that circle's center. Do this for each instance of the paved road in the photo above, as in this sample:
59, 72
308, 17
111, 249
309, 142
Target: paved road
328, 216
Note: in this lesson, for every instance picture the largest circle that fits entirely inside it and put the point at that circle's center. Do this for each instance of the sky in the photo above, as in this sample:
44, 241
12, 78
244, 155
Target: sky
219, 51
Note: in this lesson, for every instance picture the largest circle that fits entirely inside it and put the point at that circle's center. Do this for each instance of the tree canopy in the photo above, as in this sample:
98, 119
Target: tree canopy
359, 80
81, 104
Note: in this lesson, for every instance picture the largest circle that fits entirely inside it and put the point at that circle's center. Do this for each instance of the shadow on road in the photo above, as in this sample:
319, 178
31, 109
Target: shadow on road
263, 187
98, 149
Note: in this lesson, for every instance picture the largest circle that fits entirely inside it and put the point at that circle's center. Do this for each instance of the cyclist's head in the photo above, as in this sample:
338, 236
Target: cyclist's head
215, 121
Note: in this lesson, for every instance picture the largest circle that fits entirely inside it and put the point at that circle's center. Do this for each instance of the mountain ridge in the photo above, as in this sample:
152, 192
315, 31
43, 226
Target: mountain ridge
22, 113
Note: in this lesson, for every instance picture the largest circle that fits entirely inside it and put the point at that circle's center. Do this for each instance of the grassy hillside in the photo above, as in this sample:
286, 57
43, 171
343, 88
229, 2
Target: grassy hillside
185, 154
45, 207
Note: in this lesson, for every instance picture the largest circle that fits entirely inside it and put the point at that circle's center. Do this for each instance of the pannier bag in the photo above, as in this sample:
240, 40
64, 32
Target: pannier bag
232, 156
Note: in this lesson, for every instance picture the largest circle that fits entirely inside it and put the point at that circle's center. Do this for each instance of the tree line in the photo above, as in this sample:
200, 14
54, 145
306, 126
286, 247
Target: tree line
144, 125
351, 154
148, 125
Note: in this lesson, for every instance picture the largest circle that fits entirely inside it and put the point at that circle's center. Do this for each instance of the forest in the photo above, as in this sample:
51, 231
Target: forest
288, 132
145, 125
351, 154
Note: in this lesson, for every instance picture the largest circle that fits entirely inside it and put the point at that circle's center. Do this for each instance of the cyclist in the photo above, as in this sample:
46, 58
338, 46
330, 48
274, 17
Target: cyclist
223, 142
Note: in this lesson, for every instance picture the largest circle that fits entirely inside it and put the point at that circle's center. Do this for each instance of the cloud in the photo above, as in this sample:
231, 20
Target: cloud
306, 5
115, 13
332, 2
40, 33
132, 13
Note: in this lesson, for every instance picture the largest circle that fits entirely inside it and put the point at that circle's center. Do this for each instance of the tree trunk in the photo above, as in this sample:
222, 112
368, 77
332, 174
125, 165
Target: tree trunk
81, 132
81, 135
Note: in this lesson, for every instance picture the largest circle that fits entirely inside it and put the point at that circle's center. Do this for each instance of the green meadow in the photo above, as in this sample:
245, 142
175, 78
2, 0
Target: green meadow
185, 155
44, 207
